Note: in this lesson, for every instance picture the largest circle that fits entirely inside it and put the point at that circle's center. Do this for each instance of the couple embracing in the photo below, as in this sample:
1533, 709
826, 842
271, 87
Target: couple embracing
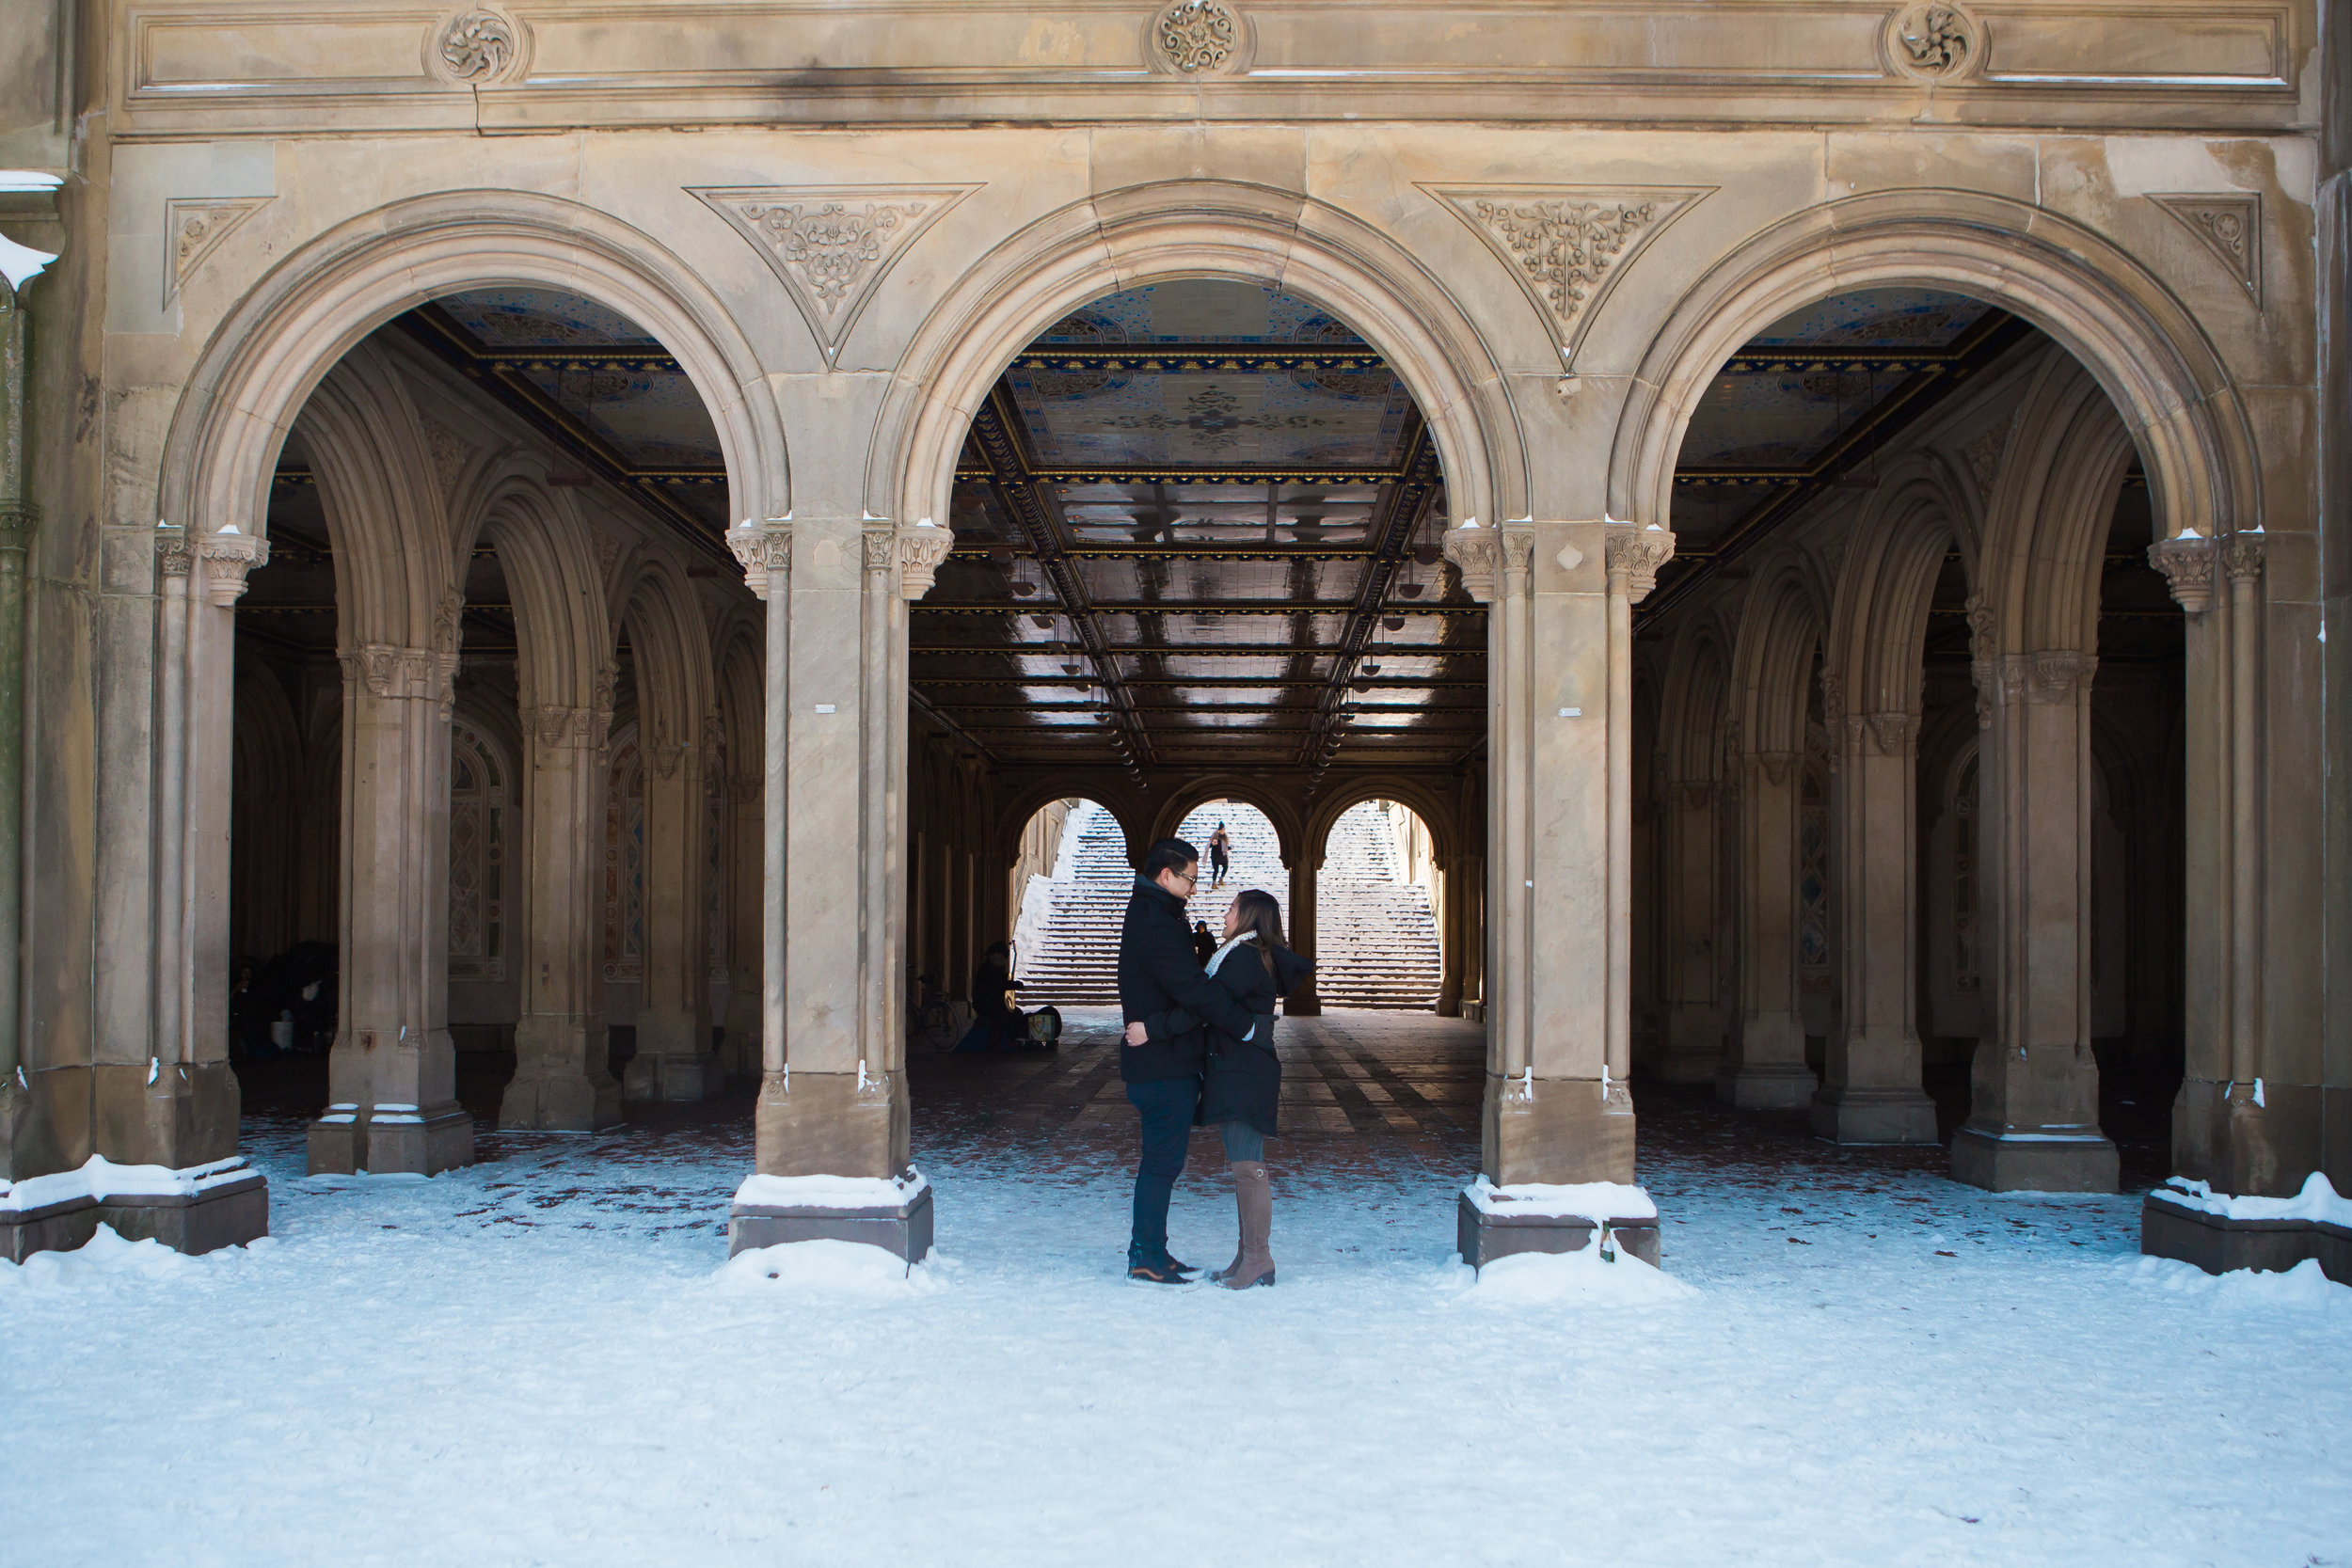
1198, 1050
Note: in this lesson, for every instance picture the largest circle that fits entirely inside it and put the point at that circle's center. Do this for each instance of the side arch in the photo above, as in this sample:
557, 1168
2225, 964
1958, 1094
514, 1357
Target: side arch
306, 314
2142, 345
1436, 812
1288, 831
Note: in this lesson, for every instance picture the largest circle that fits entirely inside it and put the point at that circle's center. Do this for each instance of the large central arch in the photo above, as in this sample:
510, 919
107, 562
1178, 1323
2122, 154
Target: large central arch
1194, 229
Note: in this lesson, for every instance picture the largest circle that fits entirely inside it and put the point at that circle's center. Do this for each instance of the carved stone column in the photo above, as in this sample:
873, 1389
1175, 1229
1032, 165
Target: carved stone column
674, 1060
832, 1099
1693, 888
561, 1078
2224, 1123
1560, 642
1307, 1000
1871, 1093
1767, 1069
2033, 1121
740, 1033
392, 1076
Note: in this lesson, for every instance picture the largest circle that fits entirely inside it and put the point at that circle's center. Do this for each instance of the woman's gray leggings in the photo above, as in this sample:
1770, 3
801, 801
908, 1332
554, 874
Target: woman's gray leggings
1243, 1142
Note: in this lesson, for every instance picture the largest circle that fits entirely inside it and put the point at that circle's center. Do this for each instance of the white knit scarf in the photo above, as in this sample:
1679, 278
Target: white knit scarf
1230, 943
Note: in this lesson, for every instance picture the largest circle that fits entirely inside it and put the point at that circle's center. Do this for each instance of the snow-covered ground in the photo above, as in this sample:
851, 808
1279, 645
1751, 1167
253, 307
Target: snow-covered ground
542, 1359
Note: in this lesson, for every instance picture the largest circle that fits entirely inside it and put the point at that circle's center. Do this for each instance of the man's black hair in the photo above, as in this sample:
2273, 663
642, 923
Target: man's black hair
1169, 854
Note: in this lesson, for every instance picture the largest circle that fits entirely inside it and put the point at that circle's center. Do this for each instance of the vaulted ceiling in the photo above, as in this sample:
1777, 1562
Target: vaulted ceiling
1196, 524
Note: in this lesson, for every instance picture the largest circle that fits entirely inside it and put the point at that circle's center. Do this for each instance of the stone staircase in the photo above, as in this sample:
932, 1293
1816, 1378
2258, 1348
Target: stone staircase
1375, 937
1378, 939
1075, 964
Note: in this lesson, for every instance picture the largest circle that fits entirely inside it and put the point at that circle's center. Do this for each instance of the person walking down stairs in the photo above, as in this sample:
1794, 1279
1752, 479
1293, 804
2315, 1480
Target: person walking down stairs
1220, 857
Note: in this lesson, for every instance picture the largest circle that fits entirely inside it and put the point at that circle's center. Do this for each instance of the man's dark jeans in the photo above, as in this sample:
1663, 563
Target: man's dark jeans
1166, 1106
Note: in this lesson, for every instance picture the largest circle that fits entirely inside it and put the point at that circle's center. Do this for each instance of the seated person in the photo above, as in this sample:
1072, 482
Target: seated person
997, 1024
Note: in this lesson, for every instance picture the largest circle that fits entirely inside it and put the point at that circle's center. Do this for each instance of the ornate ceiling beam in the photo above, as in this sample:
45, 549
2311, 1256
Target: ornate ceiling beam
1207, 607
1199, 359
1403, 510
444, 336
1996, 334
1017, 492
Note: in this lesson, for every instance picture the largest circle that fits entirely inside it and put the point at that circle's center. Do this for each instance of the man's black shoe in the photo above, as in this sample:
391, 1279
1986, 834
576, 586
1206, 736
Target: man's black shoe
1157, 1274
1183, 1268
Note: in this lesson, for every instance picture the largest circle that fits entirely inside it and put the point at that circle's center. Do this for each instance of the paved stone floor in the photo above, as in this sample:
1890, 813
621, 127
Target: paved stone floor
1388, 1097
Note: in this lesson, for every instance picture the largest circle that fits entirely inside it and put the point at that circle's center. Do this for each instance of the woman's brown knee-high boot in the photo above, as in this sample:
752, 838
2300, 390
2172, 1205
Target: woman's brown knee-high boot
1253, 1194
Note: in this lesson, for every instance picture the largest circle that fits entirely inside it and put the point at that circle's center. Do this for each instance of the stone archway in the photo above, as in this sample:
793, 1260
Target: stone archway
260, 369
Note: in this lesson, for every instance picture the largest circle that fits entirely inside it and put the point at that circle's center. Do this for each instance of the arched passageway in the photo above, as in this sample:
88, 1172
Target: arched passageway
1899, 877
484, 828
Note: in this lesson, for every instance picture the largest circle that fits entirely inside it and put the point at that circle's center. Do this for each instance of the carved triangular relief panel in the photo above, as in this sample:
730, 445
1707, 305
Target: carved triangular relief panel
829, 246
1567, 245
194, 228
2230, 225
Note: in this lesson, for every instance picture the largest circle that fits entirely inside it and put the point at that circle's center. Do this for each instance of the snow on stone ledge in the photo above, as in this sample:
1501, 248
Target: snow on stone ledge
829, 1192
830, 1268
1580, 1279
101, 1179
2316, 1201
1584, 1200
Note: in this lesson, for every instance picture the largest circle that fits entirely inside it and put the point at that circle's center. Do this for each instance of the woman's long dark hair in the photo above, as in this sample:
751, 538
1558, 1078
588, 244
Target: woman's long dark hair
1261, 917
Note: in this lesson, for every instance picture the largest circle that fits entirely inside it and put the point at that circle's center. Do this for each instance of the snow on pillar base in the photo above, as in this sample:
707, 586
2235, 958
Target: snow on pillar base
672, 1075
392, 1137
1557, 1129
2034, 1162
221, 1204
893, 1212
2218, 1233
1494, 1222
1845, 1115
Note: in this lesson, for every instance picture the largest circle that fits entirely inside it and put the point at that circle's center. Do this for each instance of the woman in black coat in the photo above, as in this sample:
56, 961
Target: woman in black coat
1243, 1089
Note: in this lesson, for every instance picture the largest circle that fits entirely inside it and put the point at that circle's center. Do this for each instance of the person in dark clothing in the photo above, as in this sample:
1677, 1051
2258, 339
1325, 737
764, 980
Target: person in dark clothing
993, 1018
1158, 976
1243, 1090
1203, 944
1220, 856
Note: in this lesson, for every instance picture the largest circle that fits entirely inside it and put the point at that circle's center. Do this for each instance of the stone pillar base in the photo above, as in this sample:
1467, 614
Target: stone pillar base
1789, 1087
1557, 1131
1874, 1116
1481, 1237
2034, 1162
672, 1075
2218, 1243
1303, 1002
391, 1138
903, 1230
560, 1102
1690, 1065
832, 1124
223, 1204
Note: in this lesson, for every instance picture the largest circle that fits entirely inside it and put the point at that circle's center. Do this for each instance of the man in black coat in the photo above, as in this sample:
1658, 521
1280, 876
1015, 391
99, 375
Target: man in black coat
1158, 971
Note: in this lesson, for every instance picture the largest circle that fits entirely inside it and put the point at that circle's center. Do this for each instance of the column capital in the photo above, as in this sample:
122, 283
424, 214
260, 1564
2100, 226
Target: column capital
1886, 735
1776, 767
557, 727
410, 674
1517, 557
921, 549
2242, 557
764, 547
19, 521
224, 558
1476, 553
2187, 564
1635, 554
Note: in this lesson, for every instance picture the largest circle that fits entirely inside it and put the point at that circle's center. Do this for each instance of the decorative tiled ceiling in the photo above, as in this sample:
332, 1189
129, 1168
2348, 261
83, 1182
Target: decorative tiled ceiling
598, 382
1196, 526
